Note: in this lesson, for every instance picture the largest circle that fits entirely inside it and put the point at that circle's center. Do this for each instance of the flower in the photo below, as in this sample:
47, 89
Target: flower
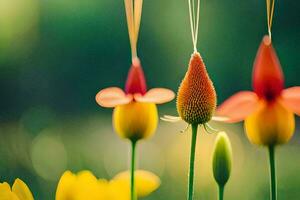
135, 114
269, 110
19, 191
196, 97
84, 185
222, 159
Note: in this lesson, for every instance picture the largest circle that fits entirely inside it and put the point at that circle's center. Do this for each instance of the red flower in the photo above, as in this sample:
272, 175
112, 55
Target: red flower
268, 110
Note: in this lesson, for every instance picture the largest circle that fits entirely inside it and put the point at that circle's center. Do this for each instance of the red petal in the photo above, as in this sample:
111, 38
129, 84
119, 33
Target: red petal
291, 99
136, 82
111, 97
268, 79
156, 95
238, 106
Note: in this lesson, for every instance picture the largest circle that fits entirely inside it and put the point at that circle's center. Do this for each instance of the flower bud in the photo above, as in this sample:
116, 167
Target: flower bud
270, 124
135, 120
196, 99
222, 159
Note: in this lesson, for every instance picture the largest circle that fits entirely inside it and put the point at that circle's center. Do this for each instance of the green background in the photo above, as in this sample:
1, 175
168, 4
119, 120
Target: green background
55, 55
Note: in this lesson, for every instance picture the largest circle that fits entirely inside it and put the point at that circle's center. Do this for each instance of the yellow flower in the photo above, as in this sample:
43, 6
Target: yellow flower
135, 120
85, 186
19, 191
270, 124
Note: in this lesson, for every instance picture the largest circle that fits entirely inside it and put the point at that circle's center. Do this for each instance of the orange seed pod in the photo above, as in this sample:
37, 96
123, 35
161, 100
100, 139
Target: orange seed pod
196, 99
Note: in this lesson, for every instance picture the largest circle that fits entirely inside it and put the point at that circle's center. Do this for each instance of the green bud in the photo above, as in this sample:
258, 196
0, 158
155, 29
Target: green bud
222, 159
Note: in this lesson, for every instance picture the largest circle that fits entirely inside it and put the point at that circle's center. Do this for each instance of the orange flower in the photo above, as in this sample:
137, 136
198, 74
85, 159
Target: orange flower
269, 110
135, 115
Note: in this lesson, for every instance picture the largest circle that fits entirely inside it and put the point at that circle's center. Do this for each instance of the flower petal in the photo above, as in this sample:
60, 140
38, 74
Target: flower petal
237, 107
111, 97
156, 95
220, 119
291, 99
169, 118
136, 82
21, 190
268, 78
146, 182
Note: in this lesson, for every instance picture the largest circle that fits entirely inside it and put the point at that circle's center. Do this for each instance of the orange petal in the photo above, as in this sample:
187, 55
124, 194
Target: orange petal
111, 97
268, 79
238, 107
156, 95
291, 99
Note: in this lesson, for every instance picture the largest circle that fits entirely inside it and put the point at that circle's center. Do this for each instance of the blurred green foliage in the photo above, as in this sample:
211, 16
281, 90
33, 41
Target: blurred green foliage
56, 54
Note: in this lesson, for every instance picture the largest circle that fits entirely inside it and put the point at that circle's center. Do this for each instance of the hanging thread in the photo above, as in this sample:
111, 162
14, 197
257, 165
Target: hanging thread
270, 14
133, 16
194, 11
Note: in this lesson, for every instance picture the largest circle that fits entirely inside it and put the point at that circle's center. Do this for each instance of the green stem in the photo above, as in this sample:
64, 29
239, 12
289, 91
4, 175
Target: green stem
132, 178
273, 187
192, 162
221, 192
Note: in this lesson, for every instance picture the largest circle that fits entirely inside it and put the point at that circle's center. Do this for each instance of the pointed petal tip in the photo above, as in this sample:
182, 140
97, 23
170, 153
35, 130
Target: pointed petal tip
267, 40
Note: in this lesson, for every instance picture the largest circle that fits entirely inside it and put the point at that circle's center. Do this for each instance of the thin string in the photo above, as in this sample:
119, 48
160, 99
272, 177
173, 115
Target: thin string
194, 21
270, 15
133, 16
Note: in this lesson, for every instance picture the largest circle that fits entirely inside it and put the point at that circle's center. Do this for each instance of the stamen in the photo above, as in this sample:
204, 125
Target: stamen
186, 129
210, 129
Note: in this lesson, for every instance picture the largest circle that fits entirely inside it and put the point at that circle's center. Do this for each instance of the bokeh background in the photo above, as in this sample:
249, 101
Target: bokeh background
55, 55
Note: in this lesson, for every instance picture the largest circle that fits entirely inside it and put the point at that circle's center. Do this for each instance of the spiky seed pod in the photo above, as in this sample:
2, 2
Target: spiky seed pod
196, 99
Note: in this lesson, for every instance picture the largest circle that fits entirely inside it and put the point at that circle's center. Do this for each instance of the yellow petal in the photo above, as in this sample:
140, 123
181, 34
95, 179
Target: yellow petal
21, 190
6, 193
82, 186
119, 190
146, 182
135, 120
64, 187
270, 124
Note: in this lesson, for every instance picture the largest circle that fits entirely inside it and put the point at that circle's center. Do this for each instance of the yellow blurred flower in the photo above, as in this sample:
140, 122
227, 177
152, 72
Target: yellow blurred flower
270, 124
85, 185
19, 191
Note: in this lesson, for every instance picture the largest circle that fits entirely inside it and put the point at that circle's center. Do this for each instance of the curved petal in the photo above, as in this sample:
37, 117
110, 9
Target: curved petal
111, 97
220, 119
170, 118
238, 106
291, 99
21, 190
156, 95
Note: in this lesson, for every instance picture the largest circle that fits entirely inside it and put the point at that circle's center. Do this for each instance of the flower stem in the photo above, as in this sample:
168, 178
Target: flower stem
273, 187
132, 178
221, 192
192, 162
